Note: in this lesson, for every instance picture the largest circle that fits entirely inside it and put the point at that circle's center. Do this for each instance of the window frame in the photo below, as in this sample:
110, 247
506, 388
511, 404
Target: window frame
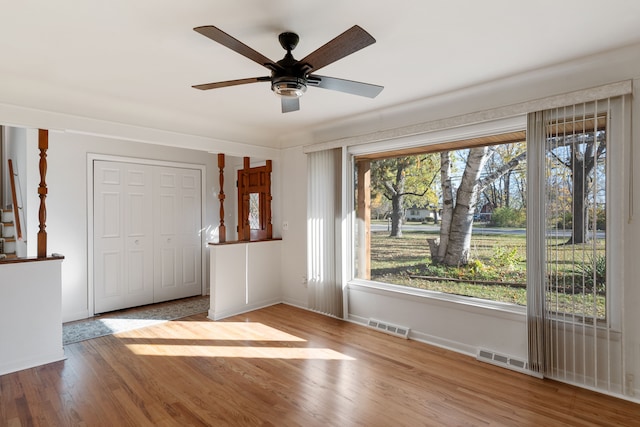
415, 142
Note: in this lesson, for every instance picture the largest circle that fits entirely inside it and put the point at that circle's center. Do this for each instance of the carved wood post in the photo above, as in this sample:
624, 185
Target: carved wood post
222, 230
43, 145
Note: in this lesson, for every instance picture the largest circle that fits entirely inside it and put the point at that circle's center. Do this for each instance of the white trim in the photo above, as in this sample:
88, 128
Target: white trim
475, 130
28, 117
219, 315
39, 360
346, 230
425, 338
91, 157
599, 92
497, 308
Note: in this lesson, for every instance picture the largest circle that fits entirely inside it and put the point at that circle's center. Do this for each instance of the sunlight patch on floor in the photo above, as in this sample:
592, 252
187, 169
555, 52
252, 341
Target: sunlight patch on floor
230, 331
254, 335
116, 324
237, 351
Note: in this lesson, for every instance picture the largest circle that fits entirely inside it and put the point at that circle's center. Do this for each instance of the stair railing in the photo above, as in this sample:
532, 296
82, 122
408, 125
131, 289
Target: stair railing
16, 198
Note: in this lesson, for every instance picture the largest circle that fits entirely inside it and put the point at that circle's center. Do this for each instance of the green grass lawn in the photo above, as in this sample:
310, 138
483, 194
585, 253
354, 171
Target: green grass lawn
498, 261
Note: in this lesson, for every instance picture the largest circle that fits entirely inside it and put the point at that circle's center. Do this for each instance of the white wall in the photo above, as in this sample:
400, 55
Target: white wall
67, 203
30, 318
294, 208
244, 277
464, 328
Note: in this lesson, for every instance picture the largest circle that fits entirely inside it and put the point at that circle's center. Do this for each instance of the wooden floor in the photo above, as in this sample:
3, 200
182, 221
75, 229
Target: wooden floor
283, 366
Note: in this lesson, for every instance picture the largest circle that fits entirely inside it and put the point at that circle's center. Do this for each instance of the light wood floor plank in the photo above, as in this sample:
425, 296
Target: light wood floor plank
283, 366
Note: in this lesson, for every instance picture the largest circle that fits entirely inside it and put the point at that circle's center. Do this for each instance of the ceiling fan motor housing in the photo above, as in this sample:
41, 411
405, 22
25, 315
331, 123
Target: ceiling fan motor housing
290, 79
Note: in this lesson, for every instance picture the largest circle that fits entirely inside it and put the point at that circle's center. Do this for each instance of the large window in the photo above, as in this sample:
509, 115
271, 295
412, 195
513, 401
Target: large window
451, 217
448, 220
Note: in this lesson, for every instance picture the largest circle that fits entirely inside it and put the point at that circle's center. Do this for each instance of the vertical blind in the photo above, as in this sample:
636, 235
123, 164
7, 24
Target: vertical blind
323, 234
573, 299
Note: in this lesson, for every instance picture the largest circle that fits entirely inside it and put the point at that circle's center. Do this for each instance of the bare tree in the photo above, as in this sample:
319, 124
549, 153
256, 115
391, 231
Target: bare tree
454, 243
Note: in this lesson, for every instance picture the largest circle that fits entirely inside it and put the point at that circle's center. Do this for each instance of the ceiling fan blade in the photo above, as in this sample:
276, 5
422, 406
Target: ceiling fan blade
217, 35
347, 86
290, 104
217, 85
352, 40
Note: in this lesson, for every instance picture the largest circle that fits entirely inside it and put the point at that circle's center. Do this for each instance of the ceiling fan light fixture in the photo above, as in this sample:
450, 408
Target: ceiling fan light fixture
289, 87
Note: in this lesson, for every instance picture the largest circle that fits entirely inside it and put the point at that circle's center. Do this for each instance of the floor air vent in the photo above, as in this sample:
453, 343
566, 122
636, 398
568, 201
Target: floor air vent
502, 360
398, 331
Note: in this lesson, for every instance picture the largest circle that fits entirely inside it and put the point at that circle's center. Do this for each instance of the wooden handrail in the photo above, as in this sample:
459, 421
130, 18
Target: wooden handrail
14, 198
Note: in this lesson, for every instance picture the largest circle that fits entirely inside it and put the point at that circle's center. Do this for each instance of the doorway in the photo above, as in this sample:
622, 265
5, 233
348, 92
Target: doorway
147, 246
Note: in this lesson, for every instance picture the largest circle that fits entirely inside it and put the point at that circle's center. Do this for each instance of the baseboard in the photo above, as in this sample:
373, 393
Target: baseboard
22, 364
223, 314
427, 339
295, 303
81, 315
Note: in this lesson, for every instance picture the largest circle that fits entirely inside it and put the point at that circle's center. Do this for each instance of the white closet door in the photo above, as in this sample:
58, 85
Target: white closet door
123, 235
177, 219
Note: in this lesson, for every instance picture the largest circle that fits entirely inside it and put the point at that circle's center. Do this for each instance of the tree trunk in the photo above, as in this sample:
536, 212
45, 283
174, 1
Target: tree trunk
447, 208
457, 252
454, 243
397, 199
396, 216
507, 189
579, 233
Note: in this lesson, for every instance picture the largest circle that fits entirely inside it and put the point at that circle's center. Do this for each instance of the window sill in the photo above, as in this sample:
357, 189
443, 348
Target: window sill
475, 304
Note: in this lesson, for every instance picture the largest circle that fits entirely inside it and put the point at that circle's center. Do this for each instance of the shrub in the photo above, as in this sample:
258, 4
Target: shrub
505, 257
598, 268
508, 217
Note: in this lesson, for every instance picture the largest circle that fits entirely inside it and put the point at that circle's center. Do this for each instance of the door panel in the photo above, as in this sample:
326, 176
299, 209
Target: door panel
108, 250
191, 242
139, 234
136, 272
168, 268
123, 236
111, 274
178, 250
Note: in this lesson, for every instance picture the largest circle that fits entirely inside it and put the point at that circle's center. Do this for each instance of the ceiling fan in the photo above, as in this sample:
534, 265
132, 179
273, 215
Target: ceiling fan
290, 77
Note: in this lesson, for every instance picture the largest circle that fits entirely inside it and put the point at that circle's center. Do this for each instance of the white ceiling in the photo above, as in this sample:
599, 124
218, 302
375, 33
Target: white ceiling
134, 62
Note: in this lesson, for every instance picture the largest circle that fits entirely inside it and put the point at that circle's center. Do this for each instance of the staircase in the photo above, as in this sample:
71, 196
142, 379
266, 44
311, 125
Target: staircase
7, 234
